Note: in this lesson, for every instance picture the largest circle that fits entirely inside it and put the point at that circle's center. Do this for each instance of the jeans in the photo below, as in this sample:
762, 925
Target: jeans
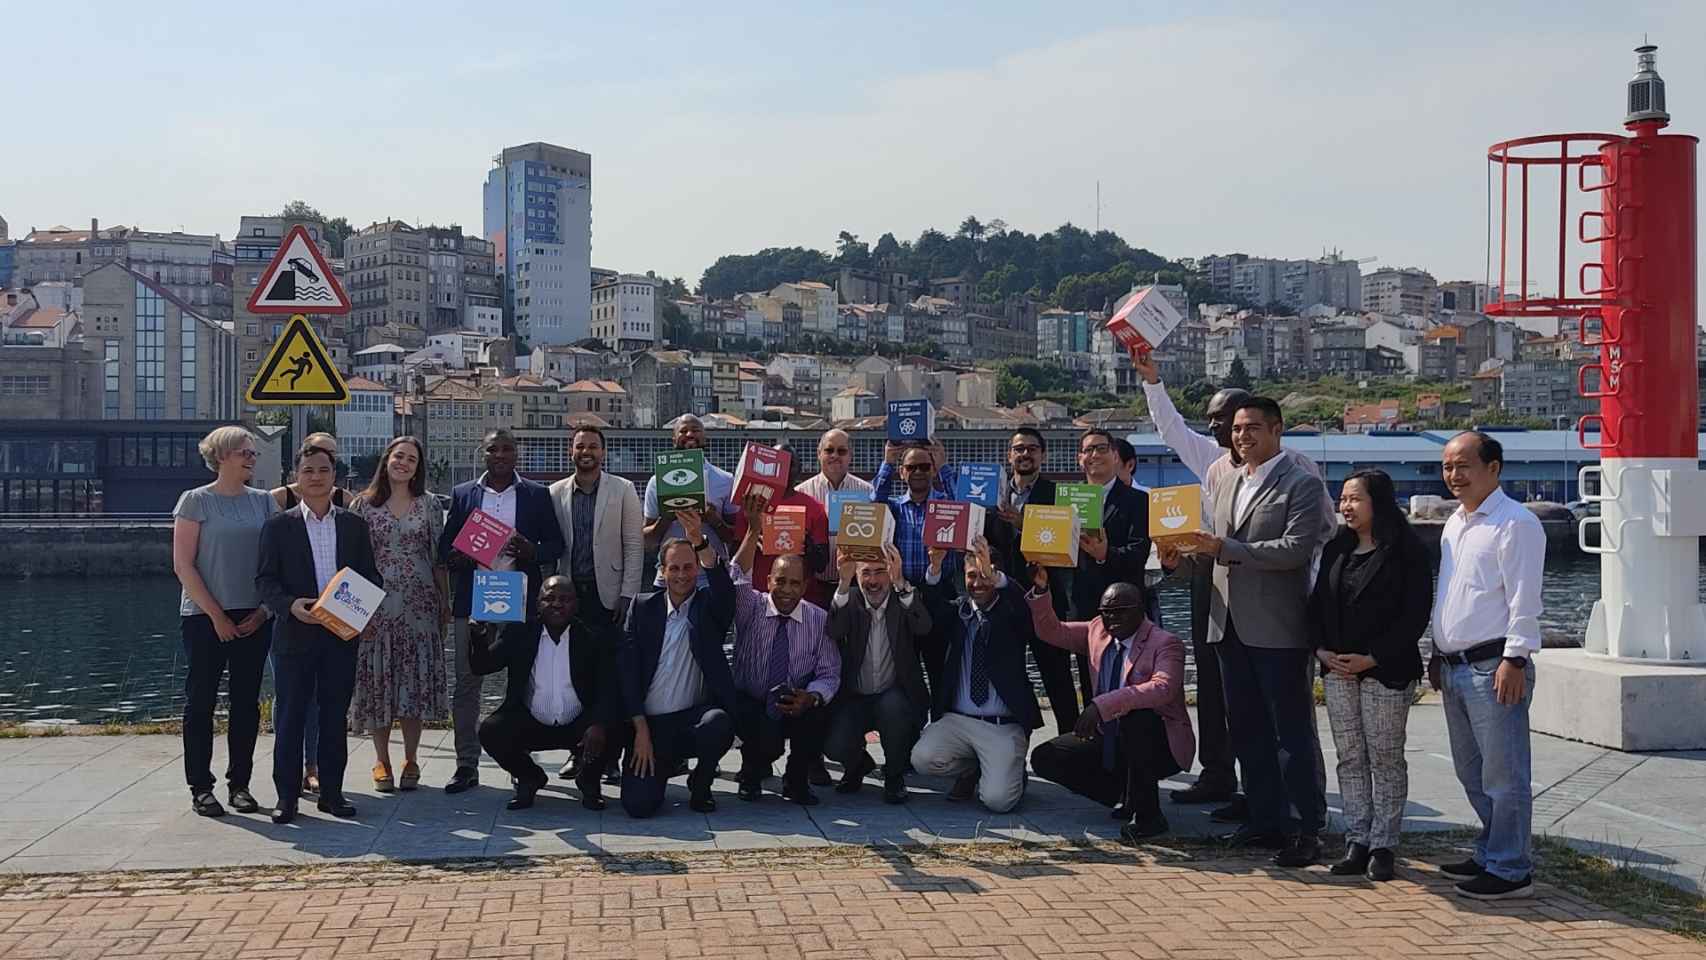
244, 658
1490, 748
1369, 726
1270, 711
310, 728
326, 664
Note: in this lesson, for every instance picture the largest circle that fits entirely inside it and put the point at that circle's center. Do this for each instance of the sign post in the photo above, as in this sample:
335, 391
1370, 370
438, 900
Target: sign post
297, 370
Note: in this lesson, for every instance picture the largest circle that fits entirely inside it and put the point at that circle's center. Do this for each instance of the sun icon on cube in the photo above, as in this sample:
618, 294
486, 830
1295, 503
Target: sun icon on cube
1045, 537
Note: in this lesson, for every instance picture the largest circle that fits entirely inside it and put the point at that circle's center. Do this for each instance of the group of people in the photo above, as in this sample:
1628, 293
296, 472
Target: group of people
925, 647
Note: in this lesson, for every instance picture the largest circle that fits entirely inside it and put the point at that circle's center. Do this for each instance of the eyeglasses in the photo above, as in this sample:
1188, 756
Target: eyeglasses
914, 467
1025, 448
247, 453
1095, 449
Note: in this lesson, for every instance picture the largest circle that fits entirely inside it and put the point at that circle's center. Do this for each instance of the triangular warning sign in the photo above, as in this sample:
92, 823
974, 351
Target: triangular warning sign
299, 280
297, 370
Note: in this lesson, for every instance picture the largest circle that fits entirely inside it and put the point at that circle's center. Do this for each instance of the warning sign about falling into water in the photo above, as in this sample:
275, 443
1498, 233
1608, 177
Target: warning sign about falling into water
297, 370
299, 280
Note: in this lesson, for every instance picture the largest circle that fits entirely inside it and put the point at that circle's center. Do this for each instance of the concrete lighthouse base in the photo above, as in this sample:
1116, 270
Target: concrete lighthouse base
1618, 704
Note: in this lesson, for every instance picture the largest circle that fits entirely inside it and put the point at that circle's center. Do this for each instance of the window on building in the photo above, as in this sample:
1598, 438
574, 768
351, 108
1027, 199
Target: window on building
150, 354
110, 376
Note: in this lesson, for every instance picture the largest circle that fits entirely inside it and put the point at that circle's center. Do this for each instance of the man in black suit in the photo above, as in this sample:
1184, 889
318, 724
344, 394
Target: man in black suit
1119, 552
301, 552
677, 687
562, 694
1026, 452
535, 547
880, 628
984, 710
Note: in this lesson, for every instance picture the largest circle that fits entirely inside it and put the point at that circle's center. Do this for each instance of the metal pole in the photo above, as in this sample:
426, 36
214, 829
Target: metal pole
298, 433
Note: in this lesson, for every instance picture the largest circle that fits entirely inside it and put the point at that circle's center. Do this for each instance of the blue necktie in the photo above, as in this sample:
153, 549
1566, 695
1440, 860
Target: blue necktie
980, 660
1107, 678
779, 665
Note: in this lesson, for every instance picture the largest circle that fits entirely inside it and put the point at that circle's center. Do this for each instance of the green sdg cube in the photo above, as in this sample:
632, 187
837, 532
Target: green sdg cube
681, 480
1085, 499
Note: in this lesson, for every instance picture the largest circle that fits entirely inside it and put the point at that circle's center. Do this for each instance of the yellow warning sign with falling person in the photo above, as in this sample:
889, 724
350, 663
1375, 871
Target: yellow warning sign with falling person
297, 370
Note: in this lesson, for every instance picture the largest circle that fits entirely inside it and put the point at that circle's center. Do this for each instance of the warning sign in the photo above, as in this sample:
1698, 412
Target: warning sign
298, 280
297, 370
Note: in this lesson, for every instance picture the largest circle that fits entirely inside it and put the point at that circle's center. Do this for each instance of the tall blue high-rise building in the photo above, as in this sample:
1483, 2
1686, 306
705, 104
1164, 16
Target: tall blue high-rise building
538, 214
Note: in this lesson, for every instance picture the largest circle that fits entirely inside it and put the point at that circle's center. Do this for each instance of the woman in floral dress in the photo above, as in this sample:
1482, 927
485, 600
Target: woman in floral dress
400, 673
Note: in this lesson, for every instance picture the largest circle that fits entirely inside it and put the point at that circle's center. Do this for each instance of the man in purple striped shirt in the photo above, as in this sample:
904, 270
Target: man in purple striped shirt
786, 670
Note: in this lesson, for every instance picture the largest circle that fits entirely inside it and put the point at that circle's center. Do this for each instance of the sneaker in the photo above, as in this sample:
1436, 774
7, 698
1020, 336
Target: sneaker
1488, 887
1463, 870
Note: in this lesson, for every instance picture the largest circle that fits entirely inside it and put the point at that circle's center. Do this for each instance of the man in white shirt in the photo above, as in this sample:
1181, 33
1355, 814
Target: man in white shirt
1486, 626
880, 627
834, 458
1210, 458
562, 694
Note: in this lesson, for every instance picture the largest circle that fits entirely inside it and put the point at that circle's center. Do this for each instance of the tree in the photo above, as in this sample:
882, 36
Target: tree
1010, 391
971, 229
336, 230
1237, 377
676, 330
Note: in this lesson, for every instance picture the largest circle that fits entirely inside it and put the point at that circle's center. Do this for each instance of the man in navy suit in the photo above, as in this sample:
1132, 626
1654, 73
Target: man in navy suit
562, 694
537, 545
676, 682
301, 552
1120, 552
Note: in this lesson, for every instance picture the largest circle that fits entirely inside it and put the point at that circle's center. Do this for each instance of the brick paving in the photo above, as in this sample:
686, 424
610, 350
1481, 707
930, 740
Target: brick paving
978, 901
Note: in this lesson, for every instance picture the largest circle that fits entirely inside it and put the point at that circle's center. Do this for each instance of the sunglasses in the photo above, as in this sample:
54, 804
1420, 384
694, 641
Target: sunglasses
915, 467
838, 450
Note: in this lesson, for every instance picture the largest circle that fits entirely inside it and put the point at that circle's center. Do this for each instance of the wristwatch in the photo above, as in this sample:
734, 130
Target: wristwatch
702, 544
1521, 663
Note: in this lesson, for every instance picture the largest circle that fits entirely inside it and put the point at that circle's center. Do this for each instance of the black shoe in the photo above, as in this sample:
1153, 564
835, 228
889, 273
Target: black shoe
853, 777
243, 801
1120, 812
1463, 869
525, 791
1143, 828
335, 804
1353, 864
1302, 852
1379, 865
817, 773
465, 778
749, 790
1201, 792
701, 801
570, 770
800, 793
205, 804
284, 814
1488, 887
964, 788
680, 768
1246, 837
894, 789
1238, 811
592, 799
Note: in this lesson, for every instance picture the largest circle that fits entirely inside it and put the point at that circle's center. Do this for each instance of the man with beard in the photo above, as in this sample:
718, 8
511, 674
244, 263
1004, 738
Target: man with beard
535, 547
1026, 485
719, 512
1211, 459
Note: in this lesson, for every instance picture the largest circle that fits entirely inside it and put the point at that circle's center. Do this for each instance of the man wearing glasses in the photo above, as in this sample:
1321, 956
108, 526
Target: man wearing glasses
834, 460
1119, 552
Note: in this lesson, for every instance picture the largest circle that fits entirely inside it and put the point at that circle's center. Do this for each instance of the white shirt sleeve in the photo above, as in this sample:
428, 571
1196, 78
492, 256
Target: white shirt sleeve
1522, 560
1193, 449
841, 598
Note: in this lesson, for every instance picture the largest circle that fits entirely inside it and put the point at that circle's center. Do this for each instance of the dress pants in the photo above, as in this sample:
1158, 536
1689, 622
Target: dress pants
1270, 710
311, 729
1214, 741
1142, 759
326, 664
1054, 665
890, 713
512, 735
958, 744
245, 659
762, 738
704, 731
465, 701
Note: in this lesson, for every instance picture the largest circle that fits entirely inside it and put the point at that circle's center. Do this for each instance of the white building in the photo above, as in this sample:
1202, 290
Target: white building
625, 311
487, 321
381, 363
364, 425
538, 214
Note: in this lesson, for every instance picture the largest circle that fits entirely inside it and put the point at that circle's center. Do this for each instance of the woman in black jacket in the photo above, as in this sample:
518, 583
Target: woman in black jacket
1369, 608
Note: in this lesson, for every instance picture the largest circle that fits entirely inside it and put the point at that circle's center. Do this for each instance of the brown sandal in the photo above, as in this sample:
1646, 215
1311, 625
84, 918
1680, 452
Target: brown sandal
411, 777
382, 781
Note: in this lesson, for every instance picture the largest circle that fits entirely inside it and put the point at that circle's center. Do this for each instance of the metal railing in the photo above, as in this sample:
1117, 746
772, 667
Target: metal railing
19, 520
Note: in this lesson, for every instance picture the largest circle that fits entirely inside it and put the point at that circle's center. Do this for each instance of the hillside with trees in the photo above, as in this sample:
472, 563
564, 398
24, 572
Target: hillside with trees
1067, 267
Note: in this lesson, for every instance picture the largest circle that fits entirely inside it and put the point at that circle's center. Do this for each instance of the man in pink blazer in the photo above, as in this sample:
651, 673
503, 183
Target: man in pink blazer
1135, 732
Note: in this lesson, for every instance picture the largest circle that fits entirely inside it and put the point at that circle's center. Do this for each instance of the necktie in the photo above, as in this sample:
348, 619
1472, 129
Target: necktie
980, 660
779, 664
1107, 678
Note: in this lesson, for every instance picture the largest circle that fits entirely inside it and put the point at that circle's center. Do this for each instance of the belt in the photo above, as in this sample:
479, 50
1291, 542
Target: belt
1476, 654
996, 721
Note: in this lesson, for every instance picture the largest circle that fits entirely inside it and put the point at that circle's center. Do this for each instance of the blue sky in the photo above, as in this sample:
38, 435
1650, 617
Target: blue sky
714, 128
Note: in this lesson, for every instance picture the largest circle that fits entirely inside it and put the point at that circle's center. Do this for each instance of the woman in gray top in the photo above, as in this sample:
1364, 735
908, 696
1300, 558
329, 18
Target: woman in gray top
216, 535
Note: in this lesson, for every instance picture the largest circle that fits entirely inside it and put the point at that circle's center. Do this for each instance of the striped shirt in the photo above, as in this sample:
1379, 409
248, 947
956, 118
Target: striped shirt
814, 663
323, 541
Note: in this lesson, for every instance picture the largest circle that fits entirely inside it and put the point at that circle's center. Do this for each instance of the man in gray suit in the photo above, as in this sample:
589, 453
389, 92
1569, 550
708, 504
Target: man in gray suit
1267, 521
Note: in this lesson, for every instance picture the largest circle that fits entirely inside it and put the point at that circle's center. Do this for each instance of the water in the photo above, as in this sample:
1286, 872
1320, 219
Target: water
100, 651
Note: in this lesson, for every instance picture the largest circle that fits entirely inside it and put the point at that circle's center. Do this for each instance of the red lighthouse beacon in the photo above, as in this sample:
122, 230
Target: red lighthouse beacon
1636, 297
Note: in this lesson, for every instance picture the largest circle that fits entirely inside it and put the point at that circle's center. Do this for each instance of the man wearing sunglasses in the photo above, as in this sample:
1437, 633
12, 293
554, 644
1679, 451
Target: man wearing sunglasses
835, 462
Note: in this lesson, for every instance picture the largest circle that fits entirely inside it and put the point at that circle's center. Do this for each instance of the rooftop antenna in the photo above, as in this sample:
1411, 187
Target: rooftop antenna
1098, 206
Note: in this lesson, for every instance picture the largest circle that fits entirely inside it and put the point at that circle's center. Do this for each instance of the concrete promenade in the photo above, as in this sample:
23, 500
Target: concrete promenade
79, 804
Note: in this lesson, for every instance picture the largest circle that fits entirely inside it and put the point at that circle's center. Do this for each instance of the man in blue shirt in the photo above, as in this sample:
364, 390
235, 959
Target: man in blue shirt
719, 510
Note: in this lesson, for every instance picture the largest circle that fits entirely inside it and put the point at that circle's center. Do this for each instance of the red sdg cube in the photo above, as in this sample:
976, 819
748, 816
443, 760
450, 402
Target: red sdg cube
952, 524
763, 469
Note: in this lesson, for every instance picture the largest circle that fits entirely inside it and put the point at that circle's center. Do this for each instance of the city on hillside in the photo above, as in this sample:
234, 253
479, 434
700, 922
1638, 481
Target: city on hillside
451, 333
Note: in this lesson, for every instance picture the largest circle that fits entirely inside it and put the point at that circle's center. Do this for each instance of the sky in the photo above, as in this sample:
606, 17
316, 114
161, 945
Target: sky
1274, 129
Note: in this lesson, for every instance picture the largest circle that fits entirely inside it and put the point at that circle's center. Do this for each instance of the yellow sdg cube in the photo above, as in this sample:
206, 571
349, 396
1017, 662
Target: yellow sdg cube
1175, 511
866, 528
1050, 535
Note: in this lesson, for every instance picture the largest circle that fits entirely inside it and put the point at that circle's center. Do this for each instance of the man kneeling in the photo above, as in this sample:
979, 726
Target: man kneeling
562, 695
1135, 731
